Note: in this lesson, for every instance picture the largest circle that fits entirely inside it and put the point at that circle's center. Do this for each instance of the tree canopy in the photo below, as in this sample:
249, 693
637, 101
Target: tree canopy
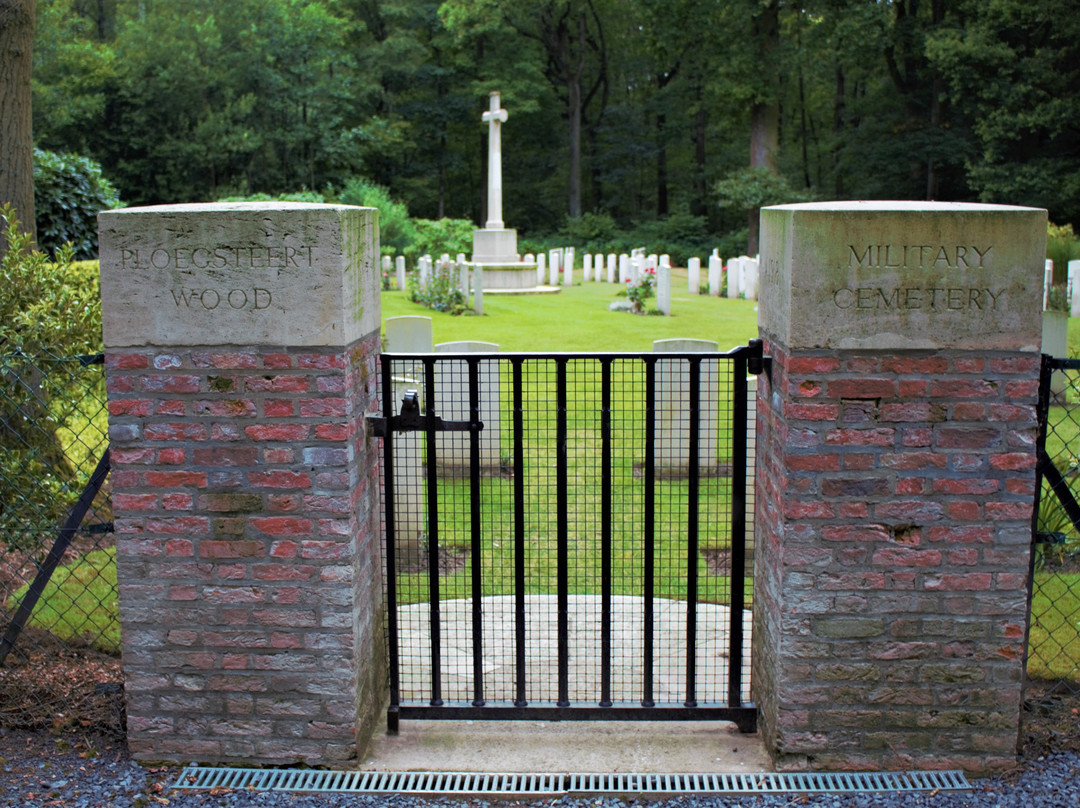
636, 110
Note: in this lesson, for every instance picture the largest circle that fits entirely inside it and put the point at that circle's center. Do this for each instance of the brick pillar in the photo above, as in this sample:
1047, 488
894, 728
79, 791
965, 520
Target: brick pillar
241, 343
896, 457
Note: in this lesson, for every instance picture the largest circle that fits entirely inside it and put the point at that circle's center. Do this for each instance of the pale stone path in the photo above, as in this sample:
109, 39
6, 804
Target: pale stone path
584, 623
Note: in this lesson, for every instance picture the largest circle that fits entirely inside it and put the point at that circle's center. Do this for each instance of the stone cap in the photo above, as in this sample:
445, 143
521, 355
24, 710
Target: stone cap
239, 273
885, 275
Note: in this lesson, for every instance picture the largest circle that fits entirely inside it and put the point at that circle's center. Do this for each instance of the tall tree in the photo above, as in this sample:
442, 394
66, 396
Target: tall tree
16, 115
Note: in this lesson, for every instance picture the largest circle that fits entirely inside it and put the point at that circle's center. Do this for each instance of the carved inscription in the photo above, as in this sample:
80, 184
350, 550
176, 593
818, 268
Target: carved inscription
217, 258
937, 258
210, 299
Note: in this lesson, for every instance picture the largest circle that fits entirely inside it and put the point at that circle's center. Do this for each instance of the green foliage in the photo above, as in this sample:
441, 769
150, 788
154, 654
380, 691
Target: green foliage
637, 292
591, 231
47, 310
756, 187
1062, 246
440, 293
441, 236
69, 192
396, 230
296, 196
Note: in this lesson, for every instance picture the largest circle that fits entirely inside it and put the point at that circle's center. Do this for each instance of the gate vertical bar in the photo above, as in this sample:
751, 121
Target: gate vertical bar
433, 536
519, 534
475, 559
562, 532
692, 534
739, 417
650, 530
605, 536
394, 659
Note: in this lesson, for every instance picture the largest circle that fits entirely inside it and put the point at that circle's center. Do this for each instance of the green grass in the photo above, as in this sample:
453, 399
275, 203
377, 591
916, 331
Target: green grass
577, 319
1054, 640
79, 602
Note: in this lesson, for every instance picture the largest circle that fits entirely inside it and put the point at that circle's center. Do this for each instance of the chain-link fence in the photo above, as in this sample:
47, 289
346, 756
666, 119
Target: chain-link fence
1054, 646
59, 628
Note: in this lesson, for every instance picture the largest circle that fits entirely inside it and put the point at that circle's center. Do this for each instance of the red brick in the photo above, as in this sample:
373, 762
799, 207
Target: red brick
170, 383
135, 502
181, 431
330, 384
177, 593
324, 549
963, 557
226, 456
969, 411
281, 572
171, 407
1013, 461
808, 510
278, 456
175, 479
284, 549
316, 362
910, 411
814, 462
964, 510
1023, 390
812, 412
918, 438
913, 388
177, 502
963, 388
120, 384
179, 548
277, 361
283, 526
859, 461
969, 364
1000, 511
859, 533
961, 582
968, 437
231, 549
132, 407
171, 456
278, 432
226, 407
283, 503
906, 557
812, 364
913, 461
277, 384
280, 479
279, 408
225, 361
323, 407
954, 534
805, 389
910, 486
335, 432
119, 361
179, 525
915, 365
862, 388
881, 436
953, 485
1017, 364
919, 511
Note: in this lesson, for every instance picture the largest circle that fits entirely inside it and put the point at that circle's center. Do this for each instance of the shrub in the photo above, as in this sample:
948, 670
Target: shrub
438, 236
47, 310
441, 292
396, 230
1062, 246
69, 192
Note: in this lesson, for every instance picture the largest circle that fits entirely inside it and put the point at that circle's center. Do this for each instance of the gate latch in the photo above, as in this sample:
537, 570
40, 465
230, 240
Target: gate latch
410, 420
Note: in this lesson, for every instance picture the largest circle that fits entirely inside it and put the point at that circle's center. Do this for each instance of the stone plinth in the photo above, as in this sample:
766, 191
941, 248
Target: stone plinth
896, 468
241, 343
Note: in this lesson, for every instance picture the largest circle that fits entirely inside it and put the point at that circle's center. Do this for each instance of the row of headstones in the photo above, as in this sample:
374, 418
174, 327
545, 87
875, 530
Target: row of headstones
742, 272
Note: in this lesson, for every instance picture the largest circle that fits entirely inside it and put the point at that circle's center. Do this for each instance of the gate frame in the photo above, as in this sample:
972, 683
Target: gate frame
746, 360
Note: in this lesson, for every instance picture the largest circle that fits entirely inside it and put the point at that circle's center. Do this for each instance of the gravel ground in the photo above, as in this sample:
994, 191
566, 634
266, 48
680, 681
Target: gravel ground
37, 769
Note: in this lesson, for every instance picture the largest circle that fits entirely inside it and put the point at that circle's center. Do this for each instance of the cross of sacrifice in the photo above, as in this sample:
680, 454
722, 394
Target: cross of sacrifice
494, 117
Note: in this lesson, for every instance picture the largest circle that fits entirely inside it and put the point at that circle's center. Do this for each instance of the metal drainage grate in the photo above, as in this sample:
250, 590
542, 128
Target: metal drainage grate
310, 780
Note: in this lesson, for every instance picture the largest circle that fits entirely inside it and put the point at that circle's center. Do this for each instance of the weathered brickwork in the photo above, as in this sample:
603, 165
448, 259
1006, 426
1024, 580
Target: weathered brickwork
245, 492
894, 509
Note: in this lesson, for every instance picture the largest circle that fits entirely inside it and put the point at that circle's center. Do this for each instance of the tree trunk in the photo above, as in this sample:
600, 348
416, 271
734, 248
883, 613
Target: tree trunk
16, 121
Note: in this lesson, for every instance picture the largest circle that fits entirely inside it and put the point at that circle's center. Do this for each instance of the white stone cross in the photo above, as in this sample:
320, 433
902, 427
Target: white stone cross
493, 118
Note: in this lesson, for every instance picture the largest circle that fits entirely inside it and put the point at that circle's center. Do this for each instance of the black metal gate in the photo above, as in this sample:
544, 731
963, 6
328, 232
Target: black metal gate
566, 535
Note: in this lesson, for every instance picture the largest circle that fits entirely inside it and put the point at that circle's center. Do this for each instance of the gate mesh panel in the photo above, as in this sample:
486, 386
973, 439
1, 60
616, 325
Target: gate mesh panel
1054, 640
566, 536
53, 432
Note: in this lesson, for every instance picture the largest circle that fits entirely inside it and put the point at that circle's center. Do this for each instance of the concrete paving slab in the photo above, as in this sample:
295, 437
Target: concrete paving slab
600, 746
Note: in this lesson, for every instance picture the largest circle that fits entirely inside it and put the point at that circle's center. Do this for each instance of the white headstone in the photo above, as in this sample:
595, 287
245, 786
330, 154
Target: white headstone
541, 269
554, 257
612, 267
672, 403
452, 404
750, 278
478, 289
408, 334
693, 275
734, 277
399, 266
1048, 281
386, 265
1074, 288
568, 267
716, 267
663, 289
586, 267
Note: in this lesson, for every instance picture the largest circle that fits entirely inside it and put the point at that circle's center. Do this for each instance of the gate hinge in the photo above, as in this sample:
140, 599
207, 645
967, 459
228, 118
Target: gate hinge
757, 363
410, 420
